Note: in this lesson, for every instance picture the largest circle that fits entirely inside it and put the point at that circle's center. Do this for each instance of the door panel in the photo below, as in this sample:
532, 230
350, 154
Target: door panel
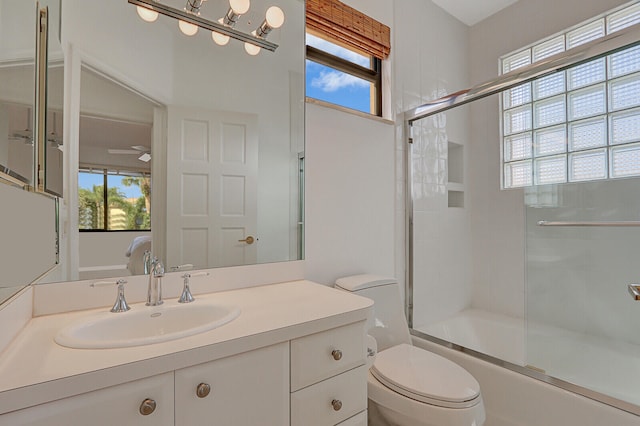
212, 168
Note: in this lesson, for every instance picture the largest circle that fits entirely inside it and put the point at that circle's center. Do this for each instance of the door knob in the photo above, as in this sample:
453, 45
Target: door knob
248, 240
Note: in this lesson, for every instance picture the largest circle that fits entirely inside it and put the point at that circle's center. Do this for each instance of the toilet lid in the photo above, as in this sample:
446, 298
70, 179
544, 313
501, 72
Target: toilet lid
426, 377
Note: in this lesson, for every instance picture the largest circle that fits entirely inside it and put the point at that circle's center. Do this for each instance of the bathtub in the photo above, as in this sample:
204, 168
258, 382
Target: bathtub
514, 399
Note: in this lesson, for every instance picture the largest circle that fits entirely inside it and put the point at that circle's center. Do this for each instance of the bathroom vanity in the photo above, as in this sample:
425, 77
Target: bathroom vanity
294, 356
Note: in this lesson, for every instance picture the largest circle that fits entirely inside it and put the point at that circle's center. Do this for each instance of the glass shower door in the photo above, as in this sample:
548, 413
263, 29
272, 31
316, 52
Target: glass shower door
583, 246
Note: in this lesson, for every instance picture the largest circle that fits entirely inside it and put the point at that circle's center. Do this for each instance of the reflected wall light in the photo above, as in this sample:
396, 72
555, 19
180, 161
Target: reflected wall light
189, 21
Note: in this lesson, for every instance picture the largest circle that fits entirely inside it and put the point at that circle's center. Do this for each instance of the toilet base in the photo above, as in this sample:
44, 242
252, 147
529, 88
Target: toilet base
389, 408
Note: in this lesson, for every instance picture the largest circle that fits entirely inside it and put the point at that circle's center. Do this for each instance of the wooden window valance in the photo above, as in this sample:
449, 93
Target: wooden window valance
349, 27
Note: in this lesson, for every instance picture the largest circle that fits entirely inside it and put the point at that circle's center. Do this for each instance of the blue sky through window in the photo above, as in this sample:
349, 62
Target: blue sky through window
330, 85
87, 180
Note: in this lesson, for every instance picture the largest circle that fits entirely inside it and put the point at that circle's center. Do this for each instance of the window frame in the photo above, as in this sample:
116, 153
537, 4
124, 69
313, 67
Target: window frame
373, 74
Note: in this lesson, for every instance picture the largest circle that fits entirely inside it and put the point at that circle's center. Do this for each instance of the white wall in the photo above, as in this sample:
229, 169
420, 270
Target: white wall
106, 248
349, 195
498, 216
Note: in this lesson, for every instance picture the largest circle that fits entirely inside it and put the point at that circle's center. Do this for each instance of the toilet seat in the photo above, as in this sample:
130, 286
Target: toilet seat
426, 377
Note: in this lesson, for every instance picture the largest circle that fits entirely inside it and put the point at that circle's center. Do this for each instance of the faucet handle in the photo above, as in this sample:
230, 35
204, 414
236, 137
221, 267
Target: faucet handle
120, 304
186, 296
146, 262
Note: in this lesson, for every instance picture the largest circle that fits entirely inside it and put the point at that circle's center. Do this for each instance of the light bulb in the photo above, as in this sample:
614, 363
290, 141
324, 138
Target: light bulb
239, 7
219, 39
187, 28
146, 14
251, 49
275, 17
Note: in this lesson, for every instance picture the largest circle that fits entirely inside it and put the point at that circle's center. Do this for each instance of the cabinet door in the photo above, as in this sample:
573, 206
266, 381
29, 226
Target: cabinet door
116, 405
248, 389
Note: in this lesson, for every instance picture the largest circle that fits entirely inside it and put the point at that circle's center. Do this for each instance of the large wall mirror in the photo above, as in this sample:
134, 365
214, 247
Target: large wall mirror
176, 144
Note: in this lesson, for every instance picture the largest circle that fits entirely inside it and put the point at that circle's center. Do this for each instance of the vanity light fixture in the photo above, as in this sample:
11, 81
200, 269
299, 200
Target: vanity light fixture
189, 21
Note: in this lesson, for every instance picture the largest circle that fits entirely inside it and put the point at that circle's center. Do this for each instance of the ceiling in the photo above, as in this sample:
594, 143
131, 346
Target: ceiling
471, 12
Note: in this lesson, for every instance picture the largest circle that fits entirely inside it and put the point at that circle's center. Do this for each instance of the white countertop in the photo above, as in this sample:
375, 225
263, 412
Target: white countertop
34, 369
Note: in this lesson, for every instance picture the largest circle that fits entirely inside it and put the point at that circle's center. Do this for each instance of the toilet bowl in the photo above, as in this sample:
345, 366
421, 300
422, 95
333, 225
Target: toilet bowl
409, 386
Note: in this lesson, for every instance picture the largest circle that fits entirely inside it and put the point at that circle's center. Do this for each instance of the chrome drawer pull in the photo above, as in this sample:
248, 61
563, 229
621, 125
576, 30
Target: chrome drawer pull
203, 390
147, 407
336, 354
337, 404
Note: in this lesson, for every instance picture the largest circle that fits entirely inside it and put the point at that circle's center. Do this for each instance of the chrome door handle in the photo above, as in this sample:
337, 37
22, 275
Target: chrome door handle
634, 291
248, 240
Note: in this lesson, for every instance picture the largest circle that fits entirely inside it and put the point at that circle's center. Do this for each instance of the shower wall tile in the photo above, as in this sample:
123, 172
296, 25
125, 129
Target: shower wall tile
429, 69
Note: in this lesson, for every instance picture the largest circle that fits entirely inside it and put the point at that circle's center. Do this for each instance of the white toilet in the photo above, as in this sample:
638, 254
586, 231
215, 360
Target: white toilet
409, 386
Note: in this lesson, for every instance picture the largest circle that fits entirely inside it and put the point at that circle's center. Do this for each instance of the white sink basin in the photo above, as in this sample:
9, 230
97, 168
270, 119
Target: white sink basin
144, 325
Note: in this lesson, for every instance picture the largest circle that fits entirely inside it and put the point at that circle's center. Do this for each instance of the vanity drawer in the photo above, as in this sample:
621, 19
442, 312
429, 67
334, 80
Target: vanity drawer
322, 355
357, 420
331, 401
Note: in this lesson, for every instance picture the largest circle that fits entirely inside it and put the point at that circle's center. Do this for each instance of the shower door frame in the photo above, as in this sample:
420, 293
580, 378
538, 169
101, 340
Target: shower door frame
604, 46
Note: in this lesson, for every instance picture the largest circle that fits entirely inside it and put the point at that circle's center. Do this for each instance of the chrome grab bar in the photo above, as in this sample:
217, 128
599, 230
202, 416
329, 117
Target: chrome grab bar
594, 223
634, 291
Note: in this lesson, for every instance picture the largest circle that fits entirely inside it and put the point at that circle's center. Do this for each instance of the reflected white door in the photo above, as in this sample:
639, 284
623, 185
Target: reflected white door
212, 168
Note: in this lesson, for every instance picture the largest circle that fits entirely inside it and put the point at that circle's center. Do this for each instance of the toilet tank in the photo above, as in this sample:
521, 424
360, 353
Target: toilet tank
388, 324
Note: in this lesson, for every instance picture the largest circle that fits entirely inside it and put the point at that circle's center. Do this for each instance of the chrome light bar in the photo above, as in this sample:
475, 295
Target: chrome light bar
204, 23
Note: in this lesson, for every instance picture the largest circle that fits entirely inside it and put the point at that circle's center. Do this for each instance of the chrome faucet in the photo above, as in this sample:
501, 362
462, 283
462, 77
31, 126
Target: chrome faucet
154, 291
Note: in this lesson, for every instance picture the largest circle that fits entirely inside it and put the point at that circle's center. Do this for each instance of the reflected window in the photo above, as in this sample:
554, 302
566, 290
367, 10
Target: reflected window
112, 200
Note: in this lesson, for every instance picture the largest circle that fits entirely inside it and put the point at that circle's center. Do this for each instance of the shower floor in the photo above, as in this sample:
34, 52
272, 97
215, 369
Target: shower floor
606, 366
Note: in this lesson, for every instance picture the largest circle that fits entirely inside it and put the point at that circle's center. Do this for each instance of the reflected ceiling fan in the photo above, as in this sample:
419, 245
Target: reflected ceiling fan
144, 152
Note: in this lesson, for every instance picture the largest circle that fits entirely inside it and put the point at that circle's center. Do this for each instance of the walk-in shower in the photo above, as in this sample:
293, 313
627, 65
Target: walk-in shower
523, 220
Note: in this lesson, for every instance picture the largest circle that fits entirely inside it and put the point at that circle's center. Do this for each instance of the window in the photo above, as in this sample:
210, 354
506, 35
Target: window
345, 49
578, 125
343, 77
113, 200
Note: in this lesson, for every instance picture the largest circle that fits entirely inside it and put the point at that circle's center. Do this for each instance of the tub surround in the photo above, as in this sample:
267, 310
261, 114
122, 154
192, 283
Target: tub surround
36, 370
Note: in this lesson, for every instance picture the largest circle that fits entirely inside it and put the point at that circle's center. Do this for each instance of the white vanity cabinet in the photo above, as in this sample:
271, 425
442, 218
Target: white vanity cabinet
248, 389
142, 402
329, 377
294, 357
